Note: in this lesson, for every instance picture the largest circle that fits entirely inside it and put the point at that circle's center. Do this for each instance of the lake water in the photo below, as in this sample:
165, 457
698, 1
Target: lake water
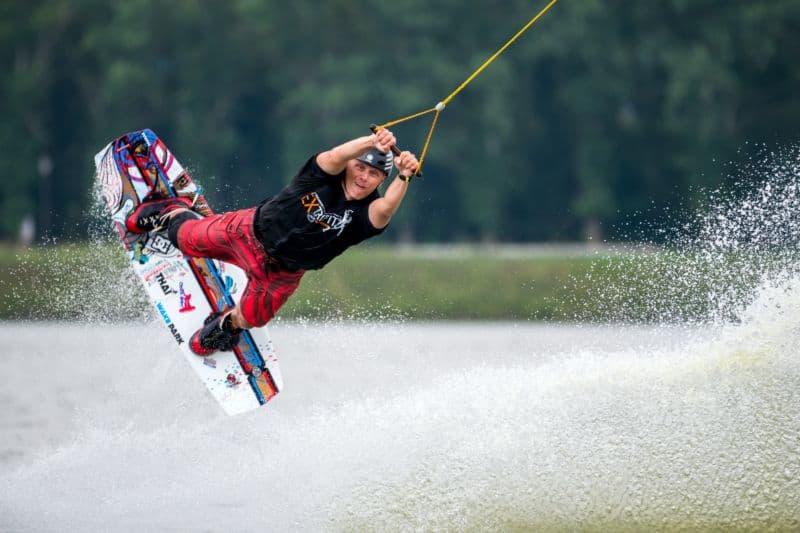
410, 426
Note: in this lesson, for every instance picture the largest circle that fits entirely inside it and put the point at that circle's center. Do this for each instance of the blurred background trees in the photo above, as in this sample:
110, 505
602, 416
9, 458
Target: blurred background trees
606, 111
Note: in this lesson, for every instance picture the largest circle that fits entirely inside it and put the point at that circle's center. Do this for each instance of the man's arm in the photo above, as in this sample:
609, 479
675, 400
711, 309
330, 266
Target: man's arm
335, 160
382, 209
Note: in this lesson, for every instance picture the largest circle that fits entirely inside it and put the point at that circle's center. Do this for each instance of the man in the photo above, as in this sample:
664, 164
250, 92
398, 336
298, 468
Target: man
331, 204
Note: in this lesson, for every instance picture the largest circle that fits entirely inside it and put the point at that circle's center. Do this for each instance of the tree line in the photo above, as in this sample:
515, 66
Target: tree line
606, 114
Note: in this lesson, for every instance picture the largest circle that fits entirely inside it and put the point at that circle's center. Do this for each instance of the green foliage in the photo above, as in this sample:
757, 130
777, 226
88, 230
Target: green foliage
604, 109
379, 282
93, 282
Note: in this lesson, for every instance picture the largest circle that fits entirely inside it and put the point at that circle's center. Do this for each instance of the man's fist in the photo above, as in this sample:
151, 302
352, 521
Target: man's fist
383, 140
406, 163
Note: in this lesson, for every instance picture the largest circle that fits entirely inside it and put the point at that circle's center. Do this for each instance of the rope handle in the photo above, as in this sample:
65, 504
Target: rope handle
439, 107
396, 151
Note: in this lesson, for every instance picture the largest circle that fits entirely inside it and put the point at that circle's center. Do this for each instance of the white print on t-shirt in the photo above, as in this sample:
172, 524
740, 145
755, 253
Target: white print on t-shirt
315, 212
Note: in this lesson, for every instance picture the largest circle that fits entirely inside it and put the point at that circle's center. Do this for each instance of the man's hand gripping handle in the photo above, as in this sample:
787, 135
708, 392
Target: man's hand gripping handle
395, 150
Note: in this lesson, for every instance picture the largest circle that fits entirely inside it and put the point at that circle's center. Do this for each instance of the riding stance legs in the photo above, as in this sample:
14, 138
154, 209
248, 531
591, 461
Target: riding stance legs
229, 237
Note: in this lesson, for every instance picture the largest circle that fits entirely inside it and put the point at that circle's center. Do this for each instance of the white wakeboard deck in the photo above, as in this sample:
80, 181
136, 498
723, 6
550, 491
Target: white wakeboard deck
184, 291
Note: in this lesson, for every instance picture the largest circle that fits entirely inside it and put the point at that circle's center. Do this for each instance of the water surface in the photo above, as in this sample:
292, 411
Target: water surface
409, 426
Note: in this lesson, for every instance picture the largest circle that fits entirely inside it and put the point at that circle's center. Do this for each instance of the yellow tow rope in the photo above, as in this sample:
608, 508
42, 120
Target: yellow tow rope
438, 108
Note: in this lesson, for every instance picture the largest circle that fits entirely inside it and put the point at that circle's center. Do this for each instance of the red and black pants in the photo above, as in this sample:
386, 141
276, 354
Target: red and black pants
229, 237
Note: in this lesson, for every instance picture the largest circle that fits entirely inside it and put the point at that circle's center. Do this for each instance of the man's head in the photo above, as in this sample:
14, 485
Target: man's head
365, 173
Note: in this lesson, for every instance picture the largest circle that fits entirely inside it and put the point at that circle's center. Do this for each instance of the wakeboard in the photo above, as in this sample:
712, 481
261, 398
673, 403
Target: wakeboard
137, 167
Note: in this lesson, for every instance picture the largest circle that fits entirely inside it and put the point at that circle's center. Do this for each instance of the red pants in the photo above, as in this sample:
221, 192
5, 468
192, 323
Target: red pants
229, 237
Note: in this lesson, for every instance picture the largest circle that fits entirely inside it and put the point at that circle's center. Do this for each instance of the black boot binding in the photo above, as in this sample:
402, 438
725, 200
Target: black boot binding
218, 334
150, 215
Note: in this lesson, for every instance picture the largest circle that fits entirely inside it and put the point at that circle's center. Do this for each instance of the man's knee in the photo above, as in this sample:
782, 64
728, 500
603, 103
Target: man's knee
249, 321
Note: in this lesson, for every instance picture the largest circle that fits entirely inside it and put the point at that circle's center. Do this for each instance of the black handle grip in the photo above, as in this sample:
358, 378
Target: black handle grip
395, 150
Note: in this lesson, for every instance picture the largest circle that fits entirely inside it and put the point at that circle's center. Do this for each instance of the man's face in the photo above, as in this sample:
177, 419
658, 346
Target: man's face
360, 180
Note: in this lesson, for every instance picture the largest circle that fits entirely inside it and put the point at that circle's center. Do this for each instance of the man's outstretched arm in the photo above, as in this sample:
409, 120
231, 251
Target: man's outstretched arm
335, 160
382, 209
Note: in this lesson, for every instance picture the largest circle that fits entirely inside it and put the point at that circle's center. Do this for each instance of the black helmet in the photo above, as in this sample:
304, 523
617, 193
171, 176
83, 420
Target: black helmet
377, 159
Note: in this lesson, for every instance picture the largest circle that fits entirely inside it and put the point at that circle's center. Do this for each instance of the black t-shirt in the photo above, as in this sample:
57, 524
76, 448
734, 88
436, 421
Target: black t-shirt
310, 221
